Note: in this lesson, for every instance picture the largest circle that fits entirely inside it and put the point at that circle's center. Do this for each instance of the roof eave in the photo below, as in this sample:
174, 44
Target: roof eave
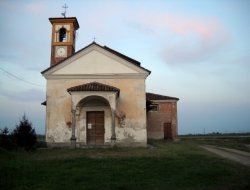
77, 26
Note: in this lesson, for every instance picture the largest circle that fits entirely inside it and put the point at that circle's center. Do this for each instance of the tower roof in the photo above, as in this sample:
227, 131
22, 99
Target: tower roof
63, 20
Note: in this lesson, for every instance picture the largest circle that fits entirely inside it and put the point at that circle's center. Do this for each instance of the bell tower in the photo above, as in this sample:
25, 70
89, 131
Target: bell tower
63, 38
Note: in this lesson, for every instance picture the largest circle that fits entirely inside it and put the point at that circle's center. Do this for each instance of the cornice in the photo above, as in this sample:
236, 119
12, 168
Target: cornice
101, 76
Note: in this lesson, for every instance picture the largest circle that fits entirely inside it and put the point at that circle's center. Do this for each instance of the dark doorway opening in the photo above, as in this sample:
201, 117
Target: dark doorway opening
168, 131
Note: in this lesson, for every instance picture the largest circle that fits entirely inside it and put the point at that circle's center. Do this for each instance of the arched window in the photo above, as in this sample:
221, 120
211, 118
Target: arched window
62, 35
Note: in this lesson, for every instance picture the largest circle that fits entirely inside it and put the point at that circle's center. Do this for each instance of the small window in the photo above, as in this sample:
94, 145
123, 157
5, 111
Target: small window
154, 107
62, 35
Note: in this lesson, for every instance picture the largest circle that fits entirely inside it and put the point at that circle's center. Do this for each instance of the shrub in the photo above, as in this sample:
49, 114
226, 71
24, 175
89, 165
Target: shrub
6, 139
24, 135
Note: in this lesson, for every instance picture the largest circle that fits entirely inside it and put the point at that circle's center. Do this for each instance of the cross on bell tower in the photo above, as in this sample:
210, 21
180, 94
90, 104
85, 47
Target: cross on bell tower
65, 8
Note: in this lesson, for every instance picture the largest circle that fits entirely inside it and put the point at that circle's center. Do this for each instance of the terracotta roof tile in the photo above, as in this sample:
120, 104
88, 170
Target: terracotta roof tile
151, 96
94, 86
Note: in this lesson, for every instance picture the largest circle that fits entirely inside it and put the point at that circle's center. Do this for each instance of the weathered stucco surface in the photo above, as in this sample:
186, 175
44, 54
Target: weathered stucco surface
95, 64
131, 101
102, 62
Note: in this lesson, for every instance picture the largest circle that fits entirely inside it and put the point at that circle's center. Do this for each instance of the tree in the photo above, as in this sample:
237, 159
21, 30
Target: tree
24, 135
4, 131
5, 139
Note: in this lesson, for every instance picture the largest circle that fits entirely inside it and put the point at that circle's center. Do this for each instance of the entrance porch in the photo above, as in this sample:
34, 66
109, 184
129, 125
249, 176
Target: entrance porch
93, 114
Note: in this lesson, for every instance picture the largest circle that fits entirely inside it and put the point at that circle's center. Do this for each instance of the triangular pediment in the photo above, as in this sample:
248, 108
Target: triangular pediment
95, 60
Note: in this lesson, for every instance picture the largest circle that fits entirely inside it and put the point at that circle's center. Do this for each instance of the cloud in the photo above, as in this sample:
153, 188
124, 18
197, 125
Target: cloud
140, 27
187, 51
184, 39
185, 26
180, 25
197, 42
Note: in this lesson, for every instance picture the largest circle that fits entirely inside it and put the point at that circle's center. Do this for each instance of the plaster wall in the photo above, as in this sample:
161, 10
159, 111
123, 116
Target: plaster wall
102, 61
131, 101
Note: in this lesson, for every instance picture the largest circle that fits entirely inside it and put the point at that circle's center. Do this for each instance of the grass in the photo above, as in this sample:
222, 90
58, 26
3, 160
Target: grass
179, 165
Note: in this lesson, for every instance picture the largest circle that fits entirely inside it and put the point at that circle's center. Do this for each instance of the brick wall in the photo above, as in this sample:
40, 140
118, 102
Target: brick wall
167, 113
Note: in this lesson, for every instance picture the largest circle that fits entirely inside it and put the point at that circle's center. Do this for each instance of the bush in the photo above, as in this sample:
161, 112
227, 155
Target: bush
24, 135
6, 139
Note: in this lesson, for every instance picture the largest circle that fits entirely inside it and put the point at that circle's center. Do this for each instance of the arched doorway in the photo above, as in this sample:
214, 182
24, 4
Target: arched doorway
88, 97
94, 122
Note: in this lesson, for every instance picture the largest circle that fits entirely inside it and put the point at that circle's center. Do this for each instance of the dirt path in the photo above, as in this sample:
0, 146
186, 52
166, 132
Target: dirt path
232, 154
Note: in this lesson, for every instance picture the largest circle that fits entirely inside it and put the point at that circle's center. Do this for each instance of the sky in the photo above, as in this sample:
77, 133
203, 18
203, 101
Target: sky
197, 51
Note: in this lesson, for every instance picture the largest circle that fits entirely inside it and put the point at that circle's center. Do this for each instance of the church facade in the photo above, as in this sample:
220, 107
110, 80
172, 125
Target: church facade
97, 96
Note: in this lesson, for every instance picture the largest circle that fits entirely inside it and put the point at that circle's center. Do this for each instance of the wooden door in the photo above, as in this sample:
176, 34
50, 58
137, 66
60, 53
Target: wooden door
95, 127
168, 131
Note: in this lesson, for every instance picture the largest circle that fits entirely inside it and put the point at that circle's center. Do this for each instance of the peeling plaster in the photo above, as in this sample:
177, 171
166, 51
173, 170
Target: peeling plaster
131, 101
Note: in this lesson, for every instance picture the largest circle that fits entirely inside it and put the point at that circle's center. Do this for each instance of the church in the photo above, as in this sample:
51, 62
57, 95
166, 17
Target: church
97, 96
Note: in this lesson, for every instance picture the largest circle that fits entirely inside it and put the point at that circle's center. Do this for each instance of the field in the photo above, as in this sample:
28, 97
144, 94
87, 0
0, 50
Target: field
239, 142
164, 165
